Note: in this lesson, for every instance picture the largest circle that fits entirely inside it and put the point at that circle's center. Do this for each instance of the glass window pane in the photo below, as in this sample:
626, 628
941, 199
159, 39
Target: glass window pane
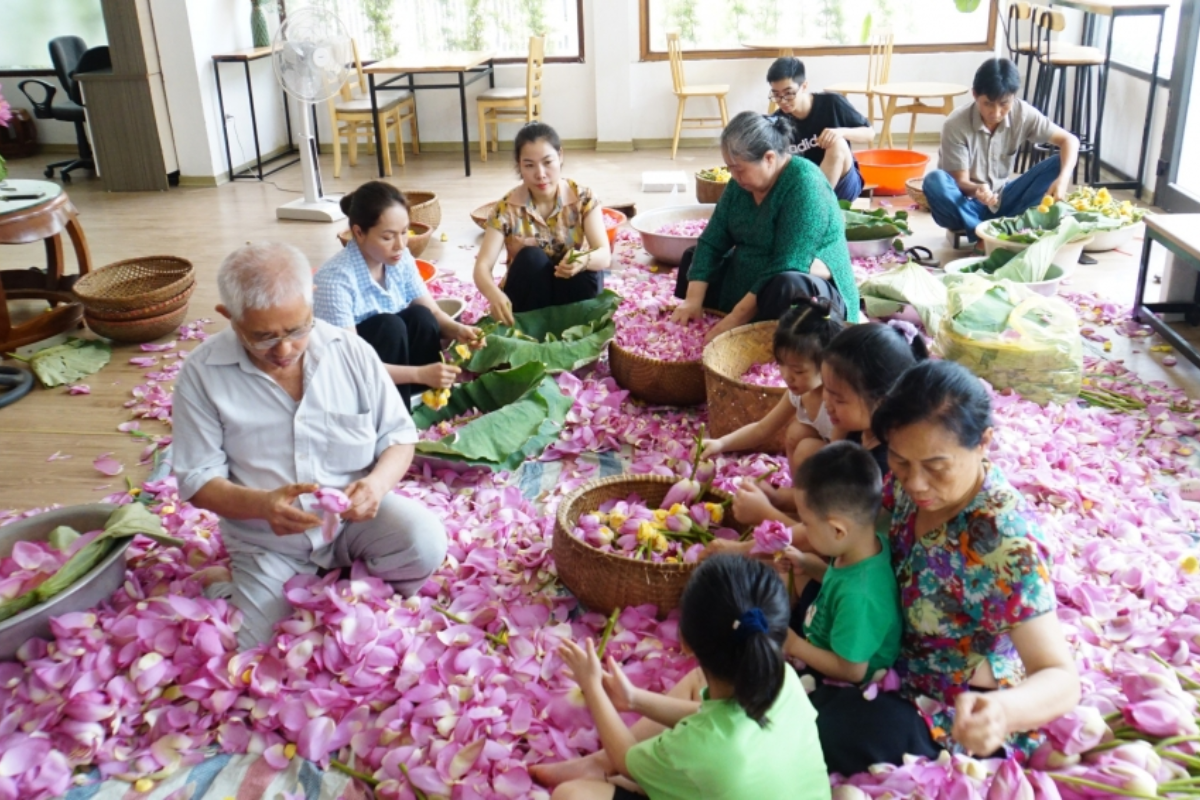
29, 25
1133, 41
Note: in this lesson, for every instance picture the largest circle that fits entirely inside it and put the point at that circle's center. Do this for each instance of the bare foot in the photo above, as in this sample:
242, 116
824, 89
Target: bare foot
584, 768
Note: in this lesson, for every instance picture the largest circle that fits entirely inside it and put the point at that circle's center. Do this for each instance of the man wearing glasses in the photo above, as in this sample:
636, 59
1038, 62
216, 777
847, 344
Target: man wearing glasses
277, 406
823, 126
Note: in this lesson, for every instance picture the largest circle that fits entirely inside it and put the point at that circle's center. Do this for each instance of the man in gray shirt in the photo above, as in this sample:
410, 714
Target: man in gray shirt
979, 144
276, 406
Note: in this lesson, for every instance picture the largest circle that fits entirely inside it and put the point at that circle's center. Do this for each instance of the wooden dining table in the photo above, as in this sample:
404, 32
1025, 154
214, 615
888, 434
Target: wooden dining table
478, 64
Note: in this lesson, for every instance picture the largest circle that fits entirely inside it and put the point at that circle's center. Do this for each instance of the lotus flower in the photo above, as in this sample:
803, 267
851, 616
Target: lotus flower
684, 492
1078, 731
1010, 783
1161, 718
771, 537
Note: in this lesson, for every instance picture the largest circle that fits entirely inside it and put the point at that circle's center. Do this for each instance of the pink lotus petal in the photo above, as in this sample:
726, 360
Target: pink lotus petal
79, 388
58, 455
126, 427
144, 361
108, 465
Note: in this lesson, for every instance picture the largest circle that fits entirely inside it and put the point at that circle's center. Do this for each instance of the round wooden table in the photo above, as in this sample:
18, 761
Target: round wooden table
918, 91
40, 211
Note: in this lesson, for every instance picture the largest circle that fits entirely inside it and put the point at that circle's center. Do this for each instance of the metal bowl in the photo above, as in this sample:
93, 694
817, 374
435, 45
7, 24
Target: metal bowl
668, 249
871, 248
89, 591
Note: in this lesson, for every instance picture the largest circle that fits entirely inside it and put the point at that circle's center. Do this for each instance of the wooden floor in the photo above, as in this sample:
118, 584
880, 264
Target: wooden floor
204, 225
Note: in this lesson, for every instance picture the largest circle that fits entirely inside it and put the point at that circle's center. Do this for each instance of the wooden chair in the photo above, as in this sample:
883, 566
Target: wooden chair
350, 116
879, 70
683, 92
513, 104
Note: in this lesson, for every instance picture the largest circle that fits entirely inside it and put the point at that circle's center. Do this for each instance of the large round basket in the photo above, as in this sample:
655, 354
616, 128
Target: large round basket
134, 283
480, 215
659, 383
708, 191
607, 581
424, 207
157, 310
136, 331
915, 188
733, 403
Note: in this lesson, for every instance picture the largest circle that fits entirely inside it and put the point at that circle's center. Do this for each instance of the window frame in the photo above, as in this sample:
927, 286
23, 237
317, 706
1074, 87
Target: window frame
646, 54
579, 59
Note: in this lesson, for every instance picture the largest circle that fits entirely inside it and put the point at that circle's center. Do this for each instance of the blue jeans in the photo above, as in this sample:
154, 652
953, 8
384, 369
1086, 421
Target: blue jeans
957, 212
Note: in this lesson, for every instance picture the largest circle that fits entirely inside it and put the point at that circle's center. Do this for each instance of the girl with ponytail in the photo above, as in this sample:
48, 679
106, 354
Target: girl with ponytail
740, 726
799, 419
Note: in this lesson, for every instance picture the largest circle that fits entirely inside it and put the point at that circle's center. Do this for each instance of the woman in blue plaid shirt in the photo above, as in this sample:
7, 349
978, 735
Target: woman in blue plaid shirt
373, 287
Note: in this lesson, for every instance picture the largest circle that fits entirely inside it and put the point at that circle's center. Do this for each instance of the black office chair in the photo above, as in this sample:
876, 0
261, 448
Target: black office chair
70, 56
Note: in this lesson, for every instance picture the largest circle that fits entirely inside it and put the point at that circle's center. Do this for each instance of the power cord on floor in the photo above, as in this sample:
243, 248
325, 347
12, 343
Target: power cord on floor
237, 137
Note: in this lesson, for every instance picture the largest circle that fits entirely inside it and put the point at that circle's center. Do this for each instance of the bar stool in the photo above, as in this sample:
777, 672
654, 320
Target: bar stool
1019, 12
1050, 95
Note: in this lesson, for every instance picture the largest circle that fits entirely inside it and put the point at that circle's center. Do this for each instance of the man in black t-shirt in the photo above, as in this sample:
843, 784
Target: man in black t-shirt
823, 126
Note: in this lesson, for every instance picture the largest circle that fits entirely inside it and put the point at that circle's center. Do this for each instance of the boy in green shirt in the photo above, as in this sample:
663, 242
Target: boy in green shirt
851, 629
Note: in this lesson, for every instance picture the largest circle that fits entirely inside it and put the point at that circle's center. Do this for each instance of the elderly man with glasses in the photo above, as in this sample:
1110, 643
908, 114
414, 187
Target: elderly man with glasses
822, 126
278, 406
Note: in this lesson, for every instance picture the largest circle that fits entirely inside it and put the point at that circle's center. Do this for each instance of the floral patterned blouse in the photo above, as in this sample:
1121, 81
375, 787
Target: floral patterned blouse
963, 587
522, 226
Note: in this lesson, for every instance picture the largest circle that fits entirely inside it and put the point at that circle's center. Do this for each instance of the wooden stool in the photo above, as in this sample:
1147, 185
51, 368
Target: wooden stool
918, 91
43, 219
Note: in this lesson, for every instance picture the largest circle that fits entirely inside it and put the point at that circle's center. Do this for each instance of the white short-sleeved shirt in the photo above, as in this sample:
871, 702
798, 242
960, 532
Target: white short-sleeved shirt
344, 293
988, 156
231, 420
822, 424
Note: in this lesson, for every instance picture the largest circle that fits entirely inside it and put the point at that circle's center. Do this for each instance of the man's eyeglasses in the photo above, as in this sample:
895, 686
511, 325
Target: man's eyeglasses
264, 345
789, 95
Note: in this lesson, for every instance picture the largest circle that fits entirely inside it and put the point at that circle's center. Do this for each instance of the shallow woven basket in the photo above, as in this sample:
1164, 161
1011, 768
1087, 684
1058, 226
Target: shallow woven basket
134, 283
733, 403
708, 191
606, 581
914, 187
424, 207
659, 383
480, 215
137, 331
157, 310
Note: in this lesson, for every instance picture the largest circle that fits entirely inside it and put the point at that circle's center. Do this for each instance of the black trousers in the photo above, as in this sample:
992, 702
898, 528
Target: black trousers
531, 284
856, 732
408, 339
777, 295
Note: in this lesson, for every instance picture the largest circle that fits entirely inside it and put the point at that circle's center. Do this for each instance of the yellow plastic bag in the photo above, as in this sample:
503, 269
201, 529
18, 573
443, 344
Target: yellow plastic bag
1013, 338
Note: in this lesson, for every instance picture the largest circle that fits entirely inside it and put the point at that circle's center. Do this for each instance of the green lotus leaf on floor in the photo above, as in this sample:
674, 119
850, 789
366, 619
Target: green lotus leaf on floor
560, 338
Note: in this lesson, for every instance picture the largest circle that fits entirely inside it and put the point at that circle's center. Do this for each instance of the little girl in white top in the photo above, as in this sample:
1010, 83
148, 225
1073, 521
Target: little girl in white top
799, 417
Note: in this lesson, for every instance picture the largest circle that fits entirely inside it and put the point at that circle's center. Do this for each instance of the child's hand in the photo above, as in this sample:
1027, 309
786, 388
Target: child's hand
750, 504
710, 448
717, 546
618, 687
584, 665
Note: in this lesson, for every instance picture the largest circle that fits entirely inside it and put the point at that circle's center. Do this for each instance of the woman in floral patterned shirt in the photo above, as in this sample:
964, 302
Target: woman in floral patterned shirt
983, 661
552, 230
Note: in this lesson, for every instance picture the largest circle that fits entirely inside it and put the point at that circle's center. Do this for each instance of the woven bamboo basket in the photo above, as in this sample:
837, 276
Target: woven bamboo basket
915, 191
419, 235
480, 215
659, 383
708, 191
134, 283
424, 207
733, 403
606, 581
136, 331
157, 310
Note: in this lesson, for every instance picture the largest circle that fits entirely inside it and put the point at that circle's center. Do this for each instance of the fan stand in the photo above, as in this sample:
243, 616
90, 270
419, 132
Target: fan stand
314, 206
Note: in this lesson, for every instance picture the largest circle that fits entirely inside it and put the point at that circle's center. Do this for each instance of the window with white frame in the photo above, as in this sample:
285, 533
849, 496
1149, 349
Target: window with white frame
383, 28
731, 25
1134, 37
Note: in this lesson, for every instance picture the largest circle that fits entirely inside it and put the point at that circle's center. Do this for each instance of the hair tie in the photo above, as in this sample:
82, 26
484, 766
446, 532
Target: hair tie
751, 622
906, 329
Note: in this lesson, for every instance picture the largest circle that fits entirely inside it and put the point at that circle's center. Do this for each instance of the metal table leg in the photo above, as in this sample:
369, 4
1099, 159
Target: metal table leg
253, 120
379, 145
1141, 170
462, 107
224, 122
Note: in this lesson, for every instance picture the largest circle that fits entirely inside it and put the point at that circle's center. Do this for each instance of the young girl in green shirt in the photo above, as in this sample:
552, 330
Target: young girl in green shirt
752, 732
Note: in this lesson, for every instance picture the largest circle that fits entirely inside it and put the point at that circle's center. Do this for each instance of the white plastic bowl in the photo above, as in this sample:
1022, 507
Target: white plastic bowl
665, 248
1103, 241
451, 306
1066, 257
1048, 287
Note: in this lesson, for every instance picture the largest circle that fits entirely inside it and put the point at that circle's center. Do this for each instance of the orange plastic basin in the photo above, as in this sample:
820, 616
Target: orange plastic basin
889, 169
426, 269
613, 219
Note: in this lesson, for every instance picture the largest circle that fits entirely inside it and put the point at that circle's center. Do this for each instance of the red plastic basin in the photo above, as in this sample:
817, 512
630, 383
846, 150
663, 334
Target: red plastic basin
889, 169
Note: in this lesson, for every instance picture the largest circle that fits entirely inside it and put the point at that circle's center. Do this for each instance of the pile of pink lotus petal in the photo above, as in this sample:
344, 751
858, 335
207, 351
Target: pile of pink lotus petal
765, 374
652, 334
448, 426
690, 228
454, 692
28, 566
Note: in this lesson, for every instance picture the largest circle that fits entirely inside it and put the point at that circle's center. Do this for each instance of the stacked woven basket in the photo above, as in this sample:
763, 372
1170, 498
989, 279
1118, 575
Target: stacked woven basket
137, 300
732, 402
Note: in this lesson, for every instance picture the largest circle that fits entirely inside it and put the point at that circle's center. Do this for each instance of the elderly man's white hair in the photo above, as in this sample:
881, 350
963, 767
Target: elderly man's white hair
261, 276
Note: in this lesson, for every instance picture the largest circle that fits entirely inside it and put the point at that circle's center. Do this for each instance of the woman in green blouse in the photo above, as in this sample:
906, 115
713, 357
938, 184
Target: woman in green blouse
773, 224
